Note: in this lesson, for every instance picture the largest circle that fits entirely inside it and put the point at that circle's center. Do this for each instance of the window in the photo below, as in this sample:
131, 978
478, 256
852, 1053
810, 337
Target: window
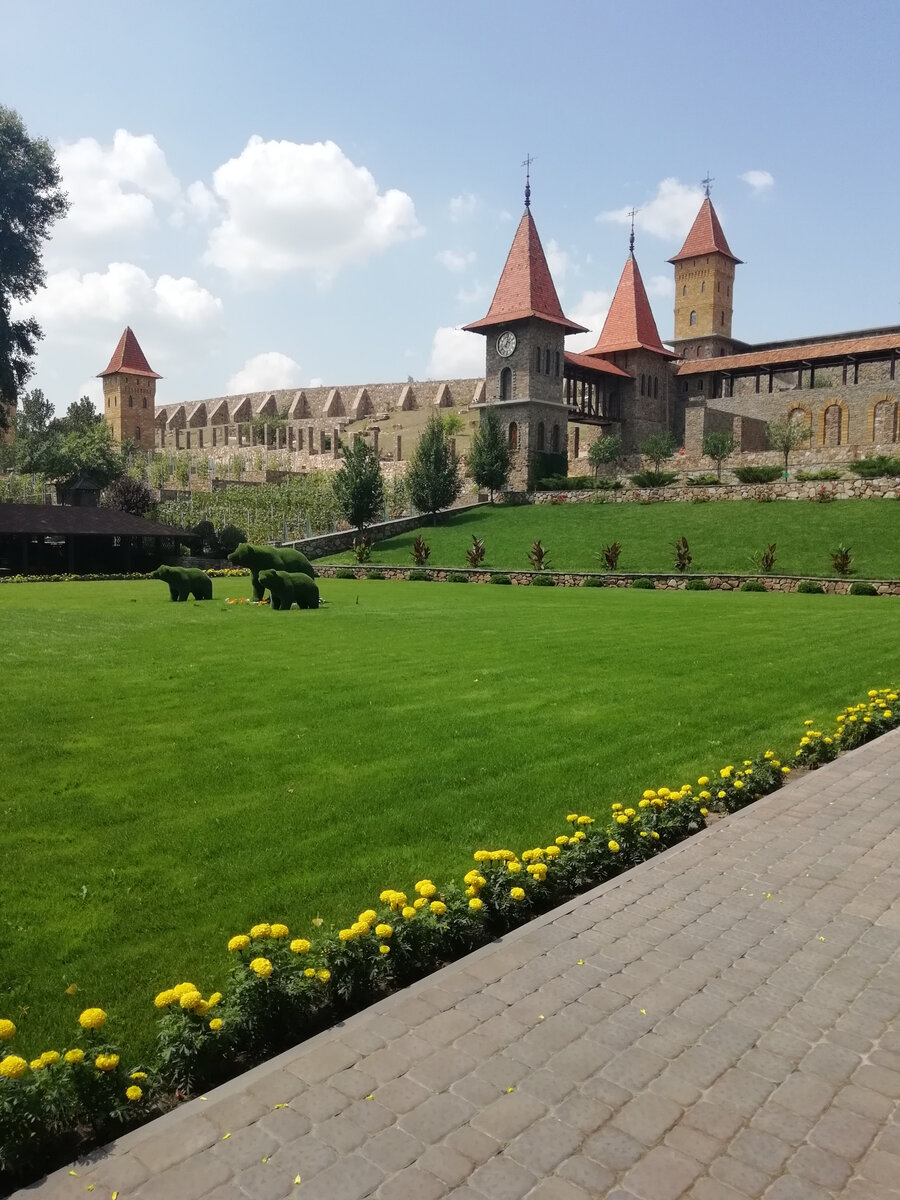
540, 435
144, 405
557, 363
693, 317
506, 383
137, 433
537, 358
721, 318
513, 436
655, 387
546, 362
703, 286
643, 385
684, 289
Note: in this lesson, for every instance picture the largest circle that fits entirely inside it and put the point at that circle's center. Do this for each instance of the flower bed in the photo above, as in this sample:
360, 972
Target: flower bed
281, 989
212, 572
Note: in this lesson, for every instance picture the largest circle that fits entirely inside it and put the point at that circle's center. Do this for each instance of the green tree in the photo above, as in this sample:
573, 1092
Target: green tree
81, 414
453, 424
787, 435
34, 444
128, 495
657, 447
433, 473
88, 449
359, 486
718, 446
605, 451
30, 201
488, 460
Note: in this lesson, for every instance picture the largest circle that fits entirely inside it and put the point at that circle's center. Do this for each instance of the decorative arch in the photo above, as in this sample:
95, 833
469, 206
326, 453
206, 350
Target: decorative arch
833, 427
506, 384
882, 419
513, 435
693, 317
801, 414
540, 435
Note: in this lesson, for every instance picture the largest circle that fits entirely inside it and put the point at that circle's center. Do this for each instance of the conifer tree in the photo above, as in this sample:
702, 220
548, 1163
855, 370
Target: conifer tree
433, 478
358, 485
488, 460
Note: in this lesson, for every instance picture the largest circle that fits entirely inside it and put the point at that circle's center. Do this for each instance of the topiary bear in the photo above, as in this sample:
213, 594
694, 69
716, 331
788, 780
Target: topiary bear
269, 558
185, 581
290, 587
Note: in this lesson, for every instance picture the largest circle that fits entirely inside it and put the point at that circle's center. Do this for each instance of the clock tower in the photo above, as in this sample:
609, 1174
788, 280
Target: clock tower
525, 331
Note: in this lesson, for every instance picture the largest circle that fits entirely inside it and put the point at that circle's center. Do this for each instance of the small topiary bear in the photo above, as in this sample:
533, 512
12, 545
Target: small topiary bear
290, 587
185, 581
269, 558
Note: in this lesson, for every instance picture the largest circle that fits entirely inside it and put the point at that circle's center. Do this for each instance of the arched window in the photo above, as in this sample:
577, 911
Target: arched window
684, 289
537, 358
506, 383
555, 441
144, 405
137, 433
721, 318
643, 385
540, 435
883, 422
693, 317
513, 436
546, 362
832, 425
655, 387
703, 286
556, 371
130, 402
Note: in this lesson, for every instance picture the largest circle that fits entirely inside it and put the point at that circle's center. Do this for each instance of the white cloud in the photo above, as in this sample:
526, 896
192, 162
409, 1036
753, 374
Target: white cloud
456, 354
463, 207
317, 381
590, 311
557, 261
112, 189
660, 285
262, 372
122, 294
668, 215
760, 181
302, 207
455, 262
478, 293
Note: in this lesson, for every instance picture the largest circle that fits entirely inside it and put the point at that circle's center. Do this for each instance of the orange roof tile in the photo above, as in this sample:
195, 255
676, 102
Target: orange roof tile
791, 354
705, 237
526, 286
630, 324
595, 364
128, 359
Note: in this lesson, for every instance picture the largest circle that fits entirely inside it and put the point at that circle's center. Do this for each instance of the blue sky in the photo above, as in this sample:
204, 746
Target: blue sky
288, 193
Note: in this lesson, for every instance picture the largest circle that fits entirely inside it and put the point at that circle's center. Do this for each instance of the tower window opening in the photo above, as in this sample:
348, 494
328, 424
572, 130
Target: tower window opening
537, 358
130, 402
546, 362
693, 317
513, 436
642, 385
144, 405
556, 364
684, 289
540, 435
721, 318
555, 441
655, 387
137, 433
703, 286
506, 383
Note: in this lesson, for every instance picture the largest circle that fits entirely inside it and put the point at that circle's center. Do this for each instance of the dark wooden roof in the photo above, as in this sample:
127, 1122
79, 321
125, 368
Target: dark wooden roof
62, 519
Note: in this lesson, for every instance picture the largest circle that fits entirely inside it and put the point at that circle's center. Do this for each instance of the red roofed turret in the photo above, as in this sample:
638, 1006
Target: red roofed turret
129, 359
629, 324
704, 282
705, 236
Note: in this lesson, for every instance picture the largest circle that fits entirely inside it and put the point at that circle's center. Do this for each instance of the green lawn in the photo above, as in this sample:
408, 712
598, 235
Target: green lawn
722, 536
174, 773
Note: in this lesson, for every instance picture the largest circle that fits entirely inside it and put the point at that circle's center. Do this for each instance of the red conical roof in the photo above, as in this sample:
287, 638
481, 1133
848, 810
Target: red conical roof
705, 237
526, 285
629, 324
128, 359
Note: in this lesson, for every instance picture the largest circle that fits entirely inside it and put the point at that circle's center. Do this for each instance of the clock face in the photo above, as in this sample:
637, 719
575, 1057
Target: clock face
506, 343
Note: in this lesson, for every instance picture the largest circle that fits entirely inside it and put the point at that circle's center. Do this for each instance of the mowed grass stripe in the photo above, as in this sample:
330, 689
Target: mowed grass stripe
723, 535
174, 773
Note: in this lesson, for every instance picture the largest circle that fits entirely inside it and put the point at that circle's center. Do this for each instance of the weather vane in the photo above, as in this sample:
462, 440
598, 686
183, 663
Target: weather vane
527, 165
632, 214
707, 182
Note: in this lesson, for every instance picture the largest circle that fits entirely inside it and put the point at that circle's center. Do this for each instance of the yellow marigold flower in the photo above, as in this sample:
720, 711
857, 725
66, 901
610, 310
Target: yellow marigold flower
475, 904
470, 877
263, 930
738, 784
36, 1064
346, 935
643, 803
614, 846
12, 1067
300, 946
408, 912
585, 820
385, 896
74, 1056
725, 772
7, 1030
828, 741
579, 836
562, 840
807, 722
426, 888
644, 833
49, 1057
649, 794
629, 812
398, 901
618, 807
323, 975
471, 891
384, 931
360, 928
280, 931
657, 803
654, 835
785, 770
552, 851
261, 967
138, 1075
769, 754
514, 867
370, 915
134, 1092
438, 907
384, 949
216, 1024
621, 819
310, 972
517, 893
572, 817
239, 942
482, 855
663, 793
888, 712
92, 1018
419, 902
705, 795
527, 856
481, 881
164, 999
190, 1000
703, 780
202, 1008
106, 1062
704, 812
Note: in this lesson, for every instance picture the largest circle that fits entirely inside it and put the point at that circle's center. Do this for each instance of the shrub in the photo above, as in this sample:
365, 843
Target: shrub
653, 479
764, 560
457, 577
375, 575
593, 581
810, 587
539, 557
644, 584
362, 548
878, 464
862, 589
824, 495
475, 555
230, 537
417, 575
696, 585
420, 551
753, 585
501, 579
842, 560
611, 556
129, 495
757, 474
703, 480
683, 556
543, 581
827, 473
657, 447
345, 573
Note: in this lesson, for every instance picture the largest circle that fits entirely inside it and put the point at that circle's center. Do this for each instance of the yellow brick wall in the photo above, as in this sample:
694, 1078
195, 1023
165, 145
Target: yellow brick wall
704, 285
133, 420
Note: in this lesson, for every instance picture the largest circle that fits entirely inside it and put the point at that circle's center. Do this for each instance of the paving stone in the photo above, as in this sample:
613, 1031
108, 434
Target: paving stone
340, 1133
647, 1117
786, 1126
286, 1124
663, 1174
475, 1145
558, 1189
438, 1116
350, 1178
547, 1085
844, 1134
393, 1149
307, 1157
502, 1179
634, 1068
714, 1189
264, 1181
544, 1145
588, 1174
510, 1115
234, 1111
808, 1095
401, 1095
789, 1187
244, 1147
747, 1180
442, 1068
446, 1164
864, 1102
878, 1079
412, 1184
821, 1167
188, 1180
162, 1150
760, 1149
613, 1148
741, 1090
323, 1062
321, 1102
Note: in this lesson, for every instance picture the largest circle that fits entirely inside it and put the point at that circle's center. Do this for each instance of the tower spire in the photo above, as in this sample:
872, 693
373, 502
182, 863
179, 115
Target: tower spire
527, 165
707, 184
632, 214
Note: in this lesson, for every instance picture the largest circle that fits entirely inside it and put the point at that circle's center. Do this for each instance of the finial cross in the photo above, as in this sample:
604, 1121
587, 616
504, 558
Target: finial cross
527, 165
707, 183
632, 214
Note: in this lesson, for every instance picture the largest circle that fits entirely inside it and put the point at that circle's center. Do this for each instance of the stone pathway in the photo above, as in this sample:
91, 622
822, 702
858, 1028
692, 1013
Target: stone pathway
718, 1023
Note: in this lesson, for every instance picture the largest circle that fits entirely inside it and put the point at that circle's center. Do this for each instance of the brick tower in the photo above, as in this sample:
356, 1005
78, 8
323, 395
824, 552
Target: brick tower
525, 331
704, 279
129, 393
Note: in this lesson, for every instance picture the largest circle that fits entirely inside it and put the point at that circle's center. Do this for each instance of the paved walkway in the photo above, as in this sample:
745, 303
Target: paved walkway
719, 1023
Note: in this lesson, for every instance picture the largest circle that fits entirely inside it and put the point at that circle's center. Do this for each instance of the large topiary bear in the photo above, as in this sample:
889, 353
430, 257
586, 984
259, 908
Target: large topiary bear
290, 587
269, 558
185, 581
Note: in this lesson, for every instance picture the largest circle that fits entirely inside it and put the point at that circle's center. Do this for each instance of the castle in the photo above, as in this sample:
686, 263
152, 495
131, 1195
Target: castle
554, 402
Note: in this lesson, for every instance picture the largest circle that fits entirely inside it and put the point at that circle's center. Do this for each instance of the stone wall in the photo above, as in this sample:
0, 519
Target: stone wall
334, 543
791, 489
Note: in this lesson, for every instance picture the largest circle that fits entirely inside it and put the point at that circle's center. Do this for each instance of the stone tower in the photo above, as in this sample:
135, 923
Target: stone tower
525, 331
704, 281
129, 393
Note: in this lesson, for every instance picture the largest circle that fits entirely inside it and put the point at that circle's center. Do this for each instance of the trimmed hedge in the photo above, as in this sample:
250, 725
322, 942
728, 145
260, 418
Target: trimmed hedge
417, 575
753, 585
646, 585
862, 589
457, 577
696, 585
758, 474
593, 581
543, 581
501, 579
345, 573
809, 587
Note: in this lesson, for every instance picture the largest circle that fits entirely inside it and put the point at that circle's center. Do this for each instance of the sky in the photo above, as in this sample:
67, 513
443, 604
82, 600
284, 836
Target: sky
288, 194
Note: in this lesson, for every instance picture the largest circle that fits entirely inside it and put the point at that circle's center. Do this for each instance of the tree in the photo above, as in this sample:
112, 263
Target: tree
34, 445
605, 451
786, 435
433, 473
658, 446
81, 414
488, 461
358, 485
718, 446
453, 424
30, 201
128, 495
